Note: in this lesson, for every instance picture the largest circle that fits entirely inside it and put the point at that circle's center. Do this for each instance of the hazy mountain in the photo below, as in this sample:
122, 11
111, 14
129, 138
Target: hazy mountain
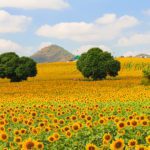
143, 56
53, 53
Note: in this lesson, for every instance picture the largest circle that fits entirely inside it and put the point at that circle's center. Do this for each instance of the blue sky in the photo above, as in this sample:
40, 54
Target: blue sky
122, 27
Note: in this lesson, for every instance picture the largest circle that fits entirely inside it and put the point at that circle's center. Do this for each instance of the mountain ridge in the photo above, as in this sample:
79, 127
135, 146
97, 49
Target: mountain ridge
52, 53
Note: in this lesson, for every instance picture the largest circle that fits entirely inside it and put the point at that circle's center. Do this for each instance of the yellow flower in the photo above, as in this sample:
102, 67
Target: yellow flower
39, 146
140, 147
75, 127
117, 145
91, 147
132, 143
107, 137
148, 139
18, 139
51, 139
3, 136
28, 144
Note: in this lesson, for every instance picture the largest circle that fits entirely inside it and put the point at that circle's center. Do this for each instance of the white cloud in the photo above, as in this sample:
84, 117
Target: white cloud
147, 12
85, 48
34, 4
107, 19
12, 23
134, 40
106, 27
11, 46
134, 53
44, 44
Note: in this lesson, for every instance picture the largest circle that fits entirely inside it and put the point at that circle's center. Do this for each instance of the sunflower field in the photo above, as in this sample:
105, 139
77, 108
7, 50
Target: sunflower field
60, 110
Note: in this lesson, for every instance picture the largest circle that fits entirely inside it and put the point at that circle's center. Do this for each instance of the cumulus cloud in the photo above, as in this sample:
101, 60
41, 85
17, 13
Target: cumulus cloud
85, 48
12, 23
106, 27
107, 19
34, 4
134, 40
11, 46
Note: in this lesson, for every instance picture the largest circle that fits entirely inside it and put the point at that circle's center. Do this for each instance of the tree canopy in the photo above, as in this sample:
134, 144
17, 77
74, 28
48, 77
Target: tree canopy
97, 64
16, 68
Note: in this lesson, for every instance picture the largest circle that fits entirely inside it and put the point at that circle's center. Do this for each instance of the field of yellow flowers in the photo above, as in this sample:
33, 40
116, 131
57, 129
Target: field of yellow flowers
60, 110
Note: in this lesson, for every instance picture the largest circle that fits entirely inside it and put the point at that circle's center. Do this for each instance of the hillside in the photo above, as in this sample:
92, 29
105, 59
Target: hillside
143, 56
53, 53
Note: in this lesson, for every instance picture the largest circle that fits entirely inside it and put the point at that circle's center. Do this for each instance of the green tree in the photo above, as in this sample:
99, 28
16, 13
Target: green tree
16, 68
97, 64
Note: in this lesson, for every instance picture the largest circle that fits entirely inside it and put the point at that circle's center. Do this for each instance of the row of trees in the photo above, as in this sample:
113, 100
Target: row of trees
95, 64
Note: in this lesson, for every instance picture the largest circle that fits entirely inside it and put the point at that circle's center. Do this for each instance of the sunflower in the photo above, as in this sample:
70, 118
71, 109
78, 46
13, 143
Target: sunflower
140, 147
73, 118
128, 123
116, 120
117, 145
17, 139
88, 118
15, 119
142, 117
51, 139
2, 123
33, 114
134, 123
107, 137
61, 121
75, 127
66, 128
68, 134
22, 131
28, 144
82, 116
148, 139
144, 122
121, 125
47, 129
34, 131
101, 120
2, 129
16, 132
132, 143
91, 147
39, 145
56, 136
55, 120
3, 136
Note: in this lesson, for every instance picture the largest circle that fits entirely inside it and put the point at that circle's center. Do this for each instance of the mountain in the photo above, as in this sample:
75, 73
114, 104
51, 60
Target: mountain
53, 53
143, 56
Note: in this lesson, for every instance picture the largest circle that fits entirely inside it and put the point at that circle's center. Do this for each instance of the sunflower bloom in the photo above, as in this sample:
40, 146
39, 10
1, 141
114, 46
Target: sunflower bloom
117, 145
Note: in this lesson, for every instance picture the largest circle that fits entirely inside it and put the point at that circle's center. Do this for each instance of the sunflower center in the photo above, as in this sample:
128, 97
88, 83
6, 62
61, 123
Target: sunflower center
132, 143
107, 137
30, 145
118, 144
91, 148
4, 136
40, 146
